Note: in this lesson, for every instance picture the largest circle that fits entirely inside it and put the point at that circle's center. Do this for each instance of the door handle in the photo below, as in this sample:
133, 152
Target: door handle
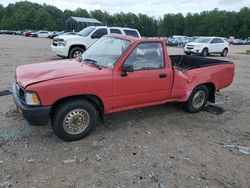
164, 75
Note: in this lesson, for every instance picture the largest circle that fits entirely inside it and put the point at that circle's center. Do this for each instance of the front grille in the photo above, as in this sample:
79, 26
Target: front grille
54, 44
190, 48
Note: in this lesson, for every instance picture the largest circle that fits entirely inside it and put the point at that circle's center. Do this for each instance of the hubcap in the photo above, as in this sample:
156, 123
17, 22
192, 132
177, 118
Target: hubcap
198, 99
77, 53
76, 121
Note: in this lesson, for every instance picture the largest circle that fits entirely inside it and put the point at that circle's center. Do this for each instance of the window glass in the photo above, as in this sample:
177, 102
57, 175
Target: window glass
131, 33
146, 56
203, 40
106, 51
115, 31
86, 31
100, 32
220, 41
214, 41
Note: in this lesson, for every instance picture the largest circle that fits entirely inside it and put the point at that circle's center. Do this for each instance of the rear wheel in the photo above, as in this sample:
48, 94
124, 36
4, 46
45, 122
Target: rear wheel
75, 52
197, 100
74, 119
224, 52
204, 52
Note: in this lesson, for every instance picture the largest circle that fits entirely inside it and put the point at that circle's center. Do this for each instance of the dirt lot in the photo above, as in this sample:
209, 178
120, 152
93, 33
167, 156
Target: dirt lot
161, 146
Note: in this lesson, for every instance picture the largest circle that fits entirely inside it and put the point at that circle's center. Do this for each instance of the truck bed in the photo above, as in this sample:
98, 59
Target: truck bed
184, 62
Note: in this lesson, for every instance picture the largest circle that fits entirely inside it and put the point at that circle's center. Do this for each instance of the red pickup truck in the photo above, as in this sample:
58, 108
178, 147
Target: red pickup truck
116, 73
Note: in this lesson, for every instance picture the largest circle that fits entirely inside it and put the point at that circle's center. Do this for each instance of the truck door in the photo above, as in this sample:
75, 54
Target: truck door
149, 81
95, 36
215, 46
221, 45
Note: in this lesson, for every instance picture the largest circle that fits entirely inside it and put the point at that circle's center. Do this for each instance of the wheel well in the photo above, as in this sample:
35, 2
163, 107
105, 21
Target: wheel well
76, 45
206, 48
211, 89
95, 100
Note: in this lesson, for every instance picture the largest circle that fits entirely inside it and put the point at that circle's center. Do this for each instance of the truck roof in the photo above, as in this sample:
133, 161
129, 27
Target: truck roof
133, 39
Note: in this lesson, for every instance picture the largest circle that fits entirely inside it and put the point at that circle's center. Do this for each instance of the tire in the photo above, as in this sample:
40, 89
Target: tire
75, 52
74, 119
204, 52
197, 100
224, 52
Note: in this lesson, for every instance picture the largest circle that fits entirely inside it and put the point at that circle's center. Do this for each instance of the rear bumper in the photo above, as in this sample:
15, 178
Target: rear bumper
34, 115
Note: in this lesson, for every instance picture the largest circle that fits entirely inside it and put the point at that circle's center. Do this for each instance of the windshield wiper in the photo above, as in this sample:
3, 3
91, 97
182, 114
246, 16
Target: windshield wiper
92, 61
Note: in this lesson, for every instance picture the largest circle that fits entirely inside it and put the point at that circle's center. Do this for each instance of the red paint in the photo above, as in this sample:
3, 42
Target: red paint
55, 80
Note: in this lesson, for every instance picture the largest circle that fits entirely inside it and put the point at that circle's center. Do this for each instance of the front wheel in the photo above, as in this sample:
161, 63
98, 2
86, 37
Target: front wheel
204, 52
74, 119
75, 52
197, 100
224, 52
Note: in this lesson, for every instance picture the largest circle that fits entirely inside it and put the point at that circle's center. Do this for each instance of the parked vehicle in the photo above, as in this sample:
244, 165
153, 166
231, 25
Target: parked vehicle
55, 34
2, 32
207, 45
183, 39
67, 33
28, 33
8, 32
41, 34
73, 46
174, 42
116, 73
20, 32
240, 42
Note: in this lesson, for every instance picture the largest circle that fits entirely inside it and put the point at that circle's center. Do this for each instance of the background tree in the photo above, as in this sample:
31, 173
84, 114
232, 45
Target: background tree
27, 15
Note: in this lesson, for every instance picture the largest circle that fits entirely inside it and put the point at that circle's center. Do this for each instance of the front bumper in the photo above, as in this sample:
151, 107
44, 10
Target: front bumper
61, 51
192, 51
34, 115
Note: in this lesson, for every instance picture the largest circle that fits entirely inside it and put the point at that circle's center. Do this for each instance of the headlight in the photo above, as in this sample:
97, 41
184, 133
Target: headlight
62, 43
31, 99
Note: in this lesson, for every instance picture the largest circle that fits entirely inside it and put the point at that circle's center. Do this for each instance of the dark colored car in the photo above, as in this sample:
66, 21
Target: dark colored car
8, 32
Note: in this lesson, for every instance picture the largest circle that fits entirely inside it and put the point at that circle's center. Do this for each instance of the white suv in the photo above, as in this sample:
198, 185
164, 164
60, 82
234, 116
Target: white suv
71, 46
207, 45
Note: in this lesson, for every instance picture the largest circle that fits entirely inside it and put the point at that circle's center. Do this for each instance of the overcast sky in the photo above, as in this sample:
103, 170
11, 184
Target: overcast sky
150, 7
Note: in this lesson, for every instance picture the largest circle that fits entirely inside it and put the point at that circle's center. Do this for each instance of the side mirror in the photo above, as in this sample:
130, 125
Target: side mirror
95, 36
127, 68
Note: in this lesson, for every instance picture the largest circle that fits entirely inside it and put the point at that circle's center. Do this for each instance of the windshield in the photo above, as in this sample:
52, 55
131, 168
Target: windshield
203, 40
85, 32
106, 51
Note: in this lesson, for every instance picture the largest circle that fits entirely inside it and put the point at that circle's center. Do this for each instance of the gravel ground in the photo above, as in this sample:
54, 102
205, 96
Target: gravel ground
156, 147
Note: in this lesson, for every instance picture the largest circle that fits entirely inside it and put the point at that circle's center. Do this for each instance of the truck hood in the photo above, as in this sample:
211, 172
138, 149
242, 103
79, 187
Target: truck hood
195, 44
39, 72
69, 37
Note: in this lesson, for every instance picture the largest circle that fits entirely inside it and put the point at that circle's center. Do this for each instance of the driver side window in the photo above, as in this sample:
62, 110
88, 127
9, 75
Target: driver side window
146, 56
214, 41
99, 33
